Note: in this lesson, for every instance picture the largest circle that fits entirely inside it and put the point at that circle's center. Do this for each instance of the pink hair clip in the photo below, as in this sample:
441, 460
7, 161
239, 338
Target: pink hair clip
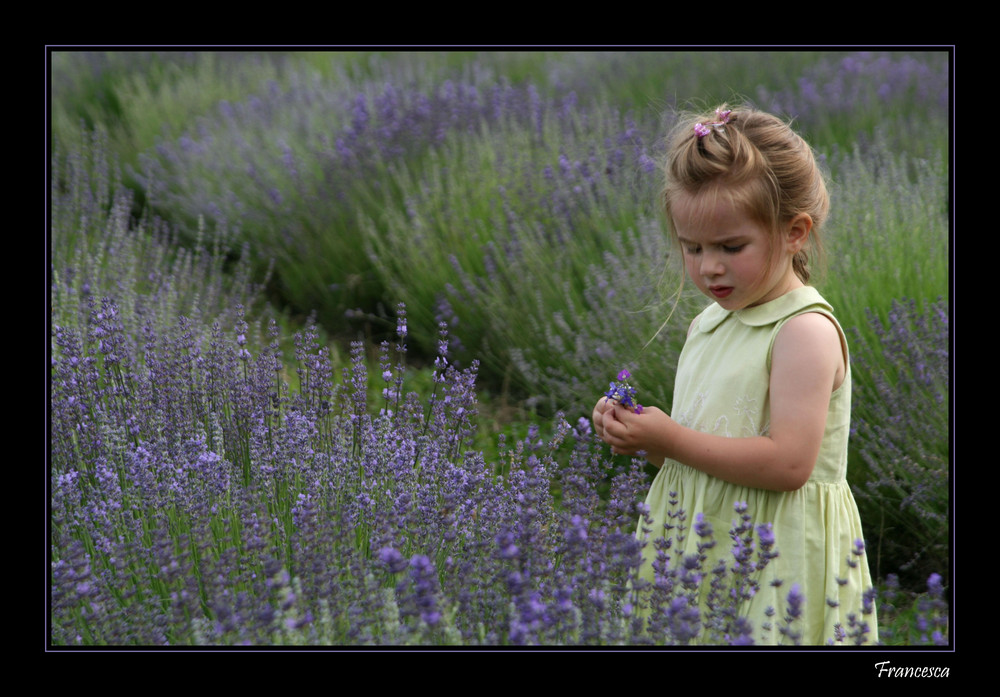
721, 119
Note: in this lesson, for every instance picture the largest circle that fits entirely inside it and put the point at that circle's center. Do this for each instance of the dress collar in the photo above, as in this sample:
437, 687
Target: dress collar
768, 313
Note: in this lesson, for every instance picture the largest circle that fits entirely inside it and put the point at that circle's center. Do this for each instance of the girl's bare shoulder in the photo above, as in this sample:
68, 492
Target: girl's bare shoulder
814, 338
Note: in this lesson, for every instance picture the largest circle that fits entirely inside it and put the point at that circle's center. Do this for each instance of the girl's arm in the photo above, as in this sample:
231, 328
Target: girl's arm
807, 364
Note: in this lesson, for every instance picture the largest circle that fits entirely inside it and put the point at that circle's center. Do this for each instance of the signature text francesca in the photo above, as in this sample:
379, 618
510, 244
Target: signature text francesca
886, 670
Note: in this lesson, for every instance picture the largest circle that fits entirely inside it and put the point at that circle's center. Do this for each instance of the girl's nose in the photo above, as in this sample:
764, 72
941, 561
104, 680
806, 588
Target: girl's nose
710, 264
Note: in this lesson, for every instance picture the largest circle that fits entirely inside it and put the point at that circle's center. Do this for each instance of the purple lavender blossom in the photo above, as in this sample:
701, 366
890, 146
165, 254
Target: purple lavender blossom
622, 392
394, 561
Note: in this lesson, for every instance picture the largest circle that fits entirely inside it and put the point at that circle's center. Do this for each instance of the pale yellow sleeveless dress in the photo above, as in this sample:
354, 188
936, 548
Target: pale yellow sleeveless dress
722, 388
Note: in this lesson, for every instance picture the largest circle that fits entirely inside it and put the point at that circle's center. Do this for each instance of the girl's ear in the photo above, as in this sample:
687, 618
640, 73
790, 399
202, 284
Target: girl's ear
798, 232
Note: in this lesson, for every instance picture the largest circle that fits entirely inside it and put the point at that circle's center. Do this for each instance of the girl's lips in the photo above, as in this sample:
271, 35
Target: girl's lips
721, 291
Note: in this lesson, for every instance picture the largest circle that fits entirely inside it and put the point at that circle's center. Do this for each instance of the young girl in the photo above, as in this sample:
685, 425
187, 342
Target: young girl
762, 398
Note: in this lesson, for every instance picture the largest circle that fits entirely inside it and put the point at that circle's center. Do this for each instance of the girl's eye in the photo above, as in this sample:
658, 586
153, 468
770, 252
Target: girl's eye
696, 249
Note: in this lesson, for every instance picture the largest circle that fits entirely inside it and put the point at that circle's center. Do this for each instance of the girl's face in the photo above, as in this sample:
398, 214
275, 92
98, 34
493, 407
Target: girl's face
730, 256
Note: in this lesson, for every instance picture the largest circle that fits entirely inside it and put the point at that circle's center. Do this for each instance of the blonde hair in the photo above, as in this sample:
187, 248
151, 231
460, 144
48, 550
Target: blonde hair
757, 162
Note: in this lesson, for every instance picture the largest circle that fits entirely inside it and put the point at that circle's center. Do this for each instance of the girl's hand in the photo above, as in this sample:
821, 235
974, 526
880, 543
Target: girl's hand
629, 433
603, 406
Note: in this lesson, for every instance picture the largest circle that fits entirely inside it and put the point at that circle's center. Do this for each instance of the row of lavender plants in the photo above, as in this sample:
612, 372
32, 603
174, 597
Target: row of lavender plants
207, 489
481, 200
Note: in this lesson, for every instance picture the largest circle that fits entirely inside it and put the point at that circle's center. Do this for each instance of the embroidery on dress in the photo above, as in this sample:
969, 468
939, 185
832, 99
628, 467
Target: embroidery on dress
686, 417
746, 410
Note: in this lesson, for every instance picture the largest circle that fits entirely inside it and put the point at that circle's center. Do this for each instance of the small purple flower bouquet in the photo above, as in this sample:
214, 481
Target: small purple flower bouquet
623, 393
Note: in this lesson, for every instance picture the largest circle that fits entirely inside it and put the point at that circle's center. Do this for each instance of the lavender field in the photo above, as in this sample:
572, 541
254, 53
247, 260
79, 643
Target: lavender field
326, 329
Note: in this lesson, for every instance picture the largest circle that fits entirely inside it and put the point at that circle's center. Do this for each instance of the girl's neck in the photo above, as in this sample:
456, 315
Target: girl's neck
783, 287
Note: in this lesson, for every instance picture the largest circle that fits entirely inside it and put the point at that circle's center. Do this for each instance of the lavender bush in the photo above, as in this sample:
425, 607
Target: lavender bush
295, 167
846, 97
888, 234
901, 437
923, 620
101, 249
142, 96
